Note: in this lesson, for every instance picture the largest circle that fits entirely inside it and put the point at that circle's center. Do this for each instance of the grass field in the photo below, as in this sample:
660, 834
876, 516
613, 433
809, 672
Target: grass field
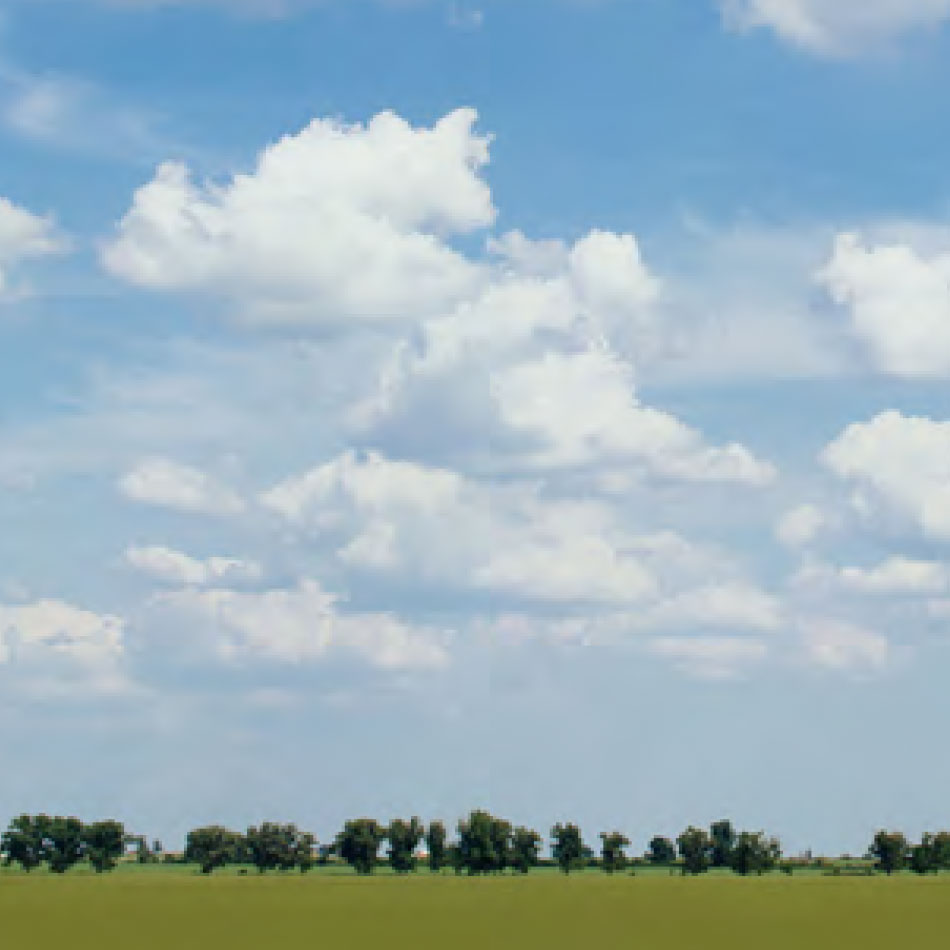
181, 910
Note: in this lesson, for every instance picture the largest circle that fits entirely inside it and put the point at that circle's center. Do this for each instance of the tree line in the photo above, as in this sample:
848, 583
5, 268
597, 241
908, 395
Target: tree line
483, 844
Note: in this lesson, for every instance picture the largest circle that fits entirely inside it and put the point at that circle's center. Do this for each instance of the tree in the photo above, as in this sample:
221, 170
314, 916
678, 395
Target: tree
662, 851
404, 838
484, 843
923, 856
940, 844
435, 842
63, 843
890, 850
22, 843
104, 843
568, 847
212, 847
754, 853
358, 844
303, 850
722, 837
525, 849
272, 846
694, 847
612, 855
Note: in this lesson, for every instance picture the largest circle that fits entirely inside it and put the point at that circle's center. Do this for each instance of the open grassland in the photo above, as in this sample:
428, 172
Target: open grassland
184, 910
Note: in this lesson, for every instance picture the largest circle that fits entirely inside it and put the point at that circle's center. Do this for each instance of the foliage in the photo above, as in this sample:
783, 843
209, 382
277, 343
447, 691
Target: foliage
568, 848
274, 847
435, 842
22, 842
358, 844
890, 850
662, 851
404, 838
104, 843
694, 847
612, 855
525, 849
754, 853
213, 847
484, 843
304, 847
722, 838
62, 843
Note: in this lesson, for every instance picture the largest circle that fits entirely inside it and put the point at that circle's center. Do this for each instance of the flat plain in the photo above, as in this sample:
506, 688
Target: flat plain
183, 910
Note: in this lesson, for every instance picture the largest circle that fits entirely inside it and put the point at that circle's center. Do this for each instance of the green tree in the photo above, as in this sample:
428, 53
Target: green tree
104, 843
889, 848
404, 838
723, 838
694, 846
272, 846
923, 857
213, 847
568, 847
612, 856
303, 851
754, 853
22, 842
435, 842
484, 843
661, 852
941, 850
358, 844
63, 843
525, 849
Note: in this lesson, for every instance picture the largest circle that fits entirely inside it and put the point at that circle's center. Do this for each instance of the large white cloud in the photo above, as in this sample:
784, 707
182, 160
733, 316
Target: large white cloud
844, 647
900, 467
168, 484
335, 223
713, 658
899, 303
305, 624
24, 235
174, 567
836, 26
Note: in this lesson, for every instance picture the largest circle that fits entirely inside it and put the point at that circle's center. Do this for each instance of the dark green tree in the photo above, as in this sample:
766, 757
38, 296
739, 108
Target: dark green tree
104, 843
612, 856
358, 844
661, 852
525, 849
941, 850
303, 851
484, 843
213, 847
923, 857
272, 846
568, 847
404, 838
22, 842
889, 848
694, 846
435, 842
754, 853
722, 837
63, 843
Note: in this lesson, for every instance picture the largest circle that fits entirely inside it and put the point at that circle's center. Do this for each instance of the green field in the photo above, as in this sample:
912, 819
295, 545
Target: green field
180, 910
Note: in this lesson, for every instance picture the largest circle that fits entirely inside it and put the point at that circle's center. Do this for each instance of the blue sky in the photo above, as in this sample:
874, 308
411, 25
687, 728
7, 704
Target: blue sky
412, 407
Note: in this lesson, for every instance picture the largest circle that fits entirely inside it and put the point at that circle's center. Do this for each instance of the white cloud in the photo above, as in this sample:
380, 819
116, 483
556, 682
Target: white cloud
338, 222
900, 466
174, 567
305, 624
710, 657
736, 606
24, 235
899, 303
844, 647
57, 644
800, 526
168, 484
836, 27
898, 575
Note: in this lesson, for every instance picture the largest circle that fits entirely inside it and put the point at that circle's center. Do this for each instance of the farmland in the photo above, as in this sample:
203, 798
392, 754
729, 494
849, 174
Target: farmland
163, 907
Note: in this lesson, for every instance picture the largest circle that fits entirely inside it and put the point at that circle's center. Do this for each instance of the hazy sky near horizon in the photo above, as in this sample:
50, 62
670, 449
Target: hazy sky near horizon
540, 405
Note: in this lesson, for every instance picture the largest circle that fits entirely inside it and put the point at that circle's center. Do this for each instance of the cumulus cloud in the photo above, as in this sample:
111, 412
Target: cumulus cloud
305, 624
24, 235
168, 484
59, 644
899, 467
336, 223
836, 27
899, 303
844, 647
713, 658
895, 576
735, 605
173, 567
800, 526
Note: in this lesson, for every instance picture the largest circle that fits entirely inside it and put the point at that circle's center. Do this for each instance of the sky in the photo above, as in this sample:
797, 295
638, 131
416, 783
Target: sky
538, 405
